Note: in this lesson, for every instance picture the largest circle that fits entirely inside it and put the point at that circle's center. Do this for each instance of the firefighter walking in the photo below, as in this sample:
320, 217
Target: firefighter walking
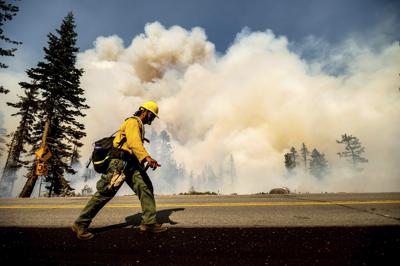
127, 160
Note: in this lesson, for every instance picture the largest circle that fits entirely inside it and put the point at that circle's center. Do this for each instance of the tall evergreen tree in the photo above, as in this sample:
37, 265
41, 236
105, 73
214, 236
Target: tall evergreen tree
165, 146
294, 155
7, 12
8, 176
75, 162
61, 103
6, 184
318, 164
353, 149
27, 108
3, 133
211, 182
289, 162
191, 179
169, 173
88, 174
290, 159
232, 169
304, 153
87, 191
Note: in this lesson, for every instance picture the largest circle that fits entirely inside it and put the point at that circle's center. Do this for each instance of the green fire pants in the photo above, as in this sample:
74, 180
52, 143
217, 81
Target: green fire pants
136, 179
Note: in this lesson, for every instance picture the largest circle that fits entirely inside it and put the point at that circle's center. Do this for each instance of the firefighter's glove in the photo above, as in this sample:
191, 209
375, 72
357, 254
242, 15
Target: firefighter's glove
117, 179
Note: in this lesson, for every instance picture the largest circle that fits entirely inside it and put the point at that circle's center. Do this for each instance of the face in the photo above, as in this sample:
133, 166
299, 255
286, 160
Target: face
149, 117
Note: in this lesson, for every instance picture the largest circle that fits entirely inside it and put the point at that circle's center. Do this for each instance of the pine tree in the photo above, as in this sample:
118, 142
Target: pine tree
88, 174
61, 103
294, 155
210, 177
353, 149
304, 155
86, 191
7, 12
318, 164
192, 190
165, 146
75, 158
169, 172
8, 176
288, 162
27, 108
3, 133
191, 179
182, 172
6, 181
232, 170
290, 159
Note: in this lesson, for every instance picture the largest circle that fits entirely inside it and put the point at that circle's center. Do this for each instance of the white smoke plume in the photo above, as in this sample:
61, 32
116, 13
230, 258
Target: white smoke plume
255, 102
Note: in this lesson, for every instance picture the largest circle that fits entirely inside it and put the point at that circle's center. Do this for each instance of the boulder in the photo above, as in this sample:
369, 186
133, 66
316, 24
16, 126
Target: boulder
281, 190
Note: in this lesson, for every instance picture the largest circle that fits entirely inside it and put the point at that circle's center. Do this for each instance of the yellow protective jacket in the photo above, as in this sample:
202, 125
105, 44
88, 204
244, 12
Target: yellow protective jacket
133, 130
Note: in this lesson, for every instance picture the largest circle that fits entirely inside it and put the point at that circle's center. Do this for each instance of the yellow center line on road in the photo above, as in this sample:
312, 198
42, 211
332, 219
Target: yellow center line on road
203, 204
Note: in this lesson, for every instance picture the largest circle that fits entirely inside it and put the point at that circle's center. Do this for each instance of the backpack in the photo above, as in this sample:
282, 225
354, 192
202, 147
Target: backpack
102, 149
101, 153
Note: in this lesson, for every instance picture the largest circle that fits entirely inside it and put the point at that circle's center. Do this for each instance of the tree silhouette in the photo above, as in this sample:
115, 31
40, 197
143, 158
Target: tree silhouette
353, 149
304, 153
3, 133
7, 12
318, 164
291, 160
61, 104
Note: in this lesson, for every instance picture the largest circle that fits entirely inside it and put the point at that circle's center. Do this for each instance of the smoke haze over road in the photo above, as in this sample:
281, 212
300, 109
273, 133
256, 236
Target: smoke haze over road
255, 101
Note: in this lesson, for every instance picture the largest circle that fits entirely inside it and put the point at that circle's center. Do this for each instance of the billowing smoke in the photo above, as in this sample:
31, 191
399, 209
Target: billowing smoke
253, 102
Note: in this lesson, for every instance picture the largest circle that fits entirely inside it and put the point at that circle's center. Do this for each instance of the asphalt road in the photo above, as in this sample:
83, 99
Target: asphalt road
306, 229
215, 211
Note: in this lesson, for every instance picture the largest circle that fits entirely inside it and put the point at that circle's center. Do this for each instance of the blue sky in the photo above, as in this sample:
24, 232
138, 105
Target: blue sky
329, 20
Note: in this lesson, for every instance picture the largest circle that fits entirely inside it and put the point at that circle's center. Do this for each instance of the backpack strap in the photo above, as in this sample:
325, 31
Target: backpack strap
114, 133
142, 129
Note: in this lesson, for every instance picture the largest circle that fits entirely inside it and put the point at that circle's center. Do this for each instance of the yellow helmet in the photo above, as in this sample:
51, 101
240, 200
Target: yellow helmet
151, 106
